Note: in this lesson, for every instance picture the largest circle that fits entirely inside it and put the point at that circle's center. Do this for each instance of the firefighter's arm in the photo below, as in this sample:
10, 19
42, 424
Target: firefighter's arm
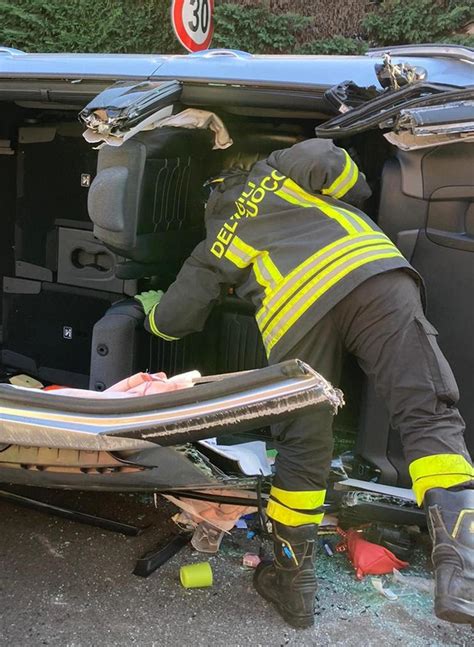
187, 303
319, 166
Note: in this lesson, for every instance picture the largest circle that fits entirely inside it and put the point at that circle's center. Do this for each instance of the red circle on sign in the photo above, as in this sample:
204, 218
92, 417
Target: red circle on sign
183, 31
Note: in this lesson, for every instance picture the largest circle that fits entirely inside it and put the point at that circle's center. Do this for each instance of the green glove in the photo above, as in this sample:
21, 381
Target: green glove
149, 299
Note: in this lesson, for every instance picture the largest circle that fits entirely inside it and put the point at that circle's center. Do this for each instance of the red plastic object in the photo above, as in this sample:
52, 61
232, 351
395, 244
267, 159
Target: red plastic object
368, 558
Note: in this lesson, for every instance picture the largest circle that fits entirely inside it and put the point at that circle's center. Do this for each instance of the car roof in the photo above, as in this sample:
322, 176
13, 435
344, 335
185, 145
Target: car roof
445, 64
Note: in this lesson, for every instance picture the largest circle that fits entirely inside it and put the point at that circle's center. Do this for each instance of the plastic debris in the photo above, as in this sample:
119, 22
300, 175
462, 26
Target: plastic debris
329, 521
251, 560
241, 524
184, 521
196, 576
25, 381
328, 548
379, 587
207, 538
338, 471
271, 456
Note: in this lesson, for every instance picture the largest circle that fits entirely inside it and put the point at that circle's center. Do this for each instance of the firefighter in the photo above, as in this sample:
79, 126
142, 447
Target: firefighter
289, 237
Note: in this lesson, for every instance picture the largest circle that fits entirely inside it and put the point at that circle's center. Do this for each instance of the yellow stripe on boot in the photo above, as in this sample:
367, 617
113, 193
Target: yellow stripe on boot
439, 471
287, 506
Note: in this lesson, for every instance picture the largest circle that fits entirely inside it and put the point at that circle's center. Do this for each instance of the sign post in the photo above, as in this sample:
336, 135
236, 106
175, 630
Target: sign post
193, 23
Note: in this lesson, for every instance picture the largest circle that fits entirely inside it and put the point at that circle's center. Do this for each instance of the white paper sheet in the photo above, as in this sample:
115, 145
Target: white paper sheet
251, 457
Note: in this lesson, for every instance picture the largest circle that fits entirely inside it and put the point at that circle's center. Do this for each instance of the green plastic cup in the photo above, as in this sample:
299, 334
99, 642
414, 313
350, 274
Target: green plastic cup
196, 576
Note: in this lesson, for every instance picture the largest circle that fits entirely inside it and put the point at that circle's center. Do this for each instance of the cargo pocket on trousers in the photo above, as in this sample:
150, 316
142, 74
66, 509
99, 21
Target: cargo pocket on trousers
441, 373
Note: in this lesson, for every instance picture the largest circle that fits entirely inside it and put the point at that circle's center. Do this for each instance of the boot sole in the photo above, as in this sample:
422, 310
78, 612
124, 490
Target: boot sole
298, 622
454, 610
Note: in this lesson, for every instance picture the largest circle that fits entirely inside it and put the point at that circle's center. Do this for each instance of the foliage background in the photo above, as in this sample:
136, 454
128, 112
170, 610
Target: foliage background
257, 26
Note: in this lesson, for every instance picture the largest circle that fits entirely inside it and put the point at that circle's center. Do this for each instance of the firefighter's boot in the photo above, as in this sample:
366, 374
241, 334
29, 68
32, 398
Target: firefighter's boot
289, 581
451, 524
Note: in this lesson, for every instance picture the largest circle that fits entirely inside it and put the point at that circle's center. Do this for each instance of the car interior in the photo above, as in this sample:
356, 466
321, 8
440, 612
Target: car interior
83, 230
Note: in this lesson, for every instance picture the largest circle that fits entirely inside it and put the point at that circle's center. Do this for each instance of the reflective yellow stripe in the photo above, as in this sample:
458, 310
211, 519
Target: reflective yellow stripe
330, 210
348, 165
154, 329
288, 196
303, 500
347, 186
246, 250
266, 272
349, 220
439, 470
315, 288
335, 215
460, 521
236, 260
297, 277
242, 255
289, 517
345, 181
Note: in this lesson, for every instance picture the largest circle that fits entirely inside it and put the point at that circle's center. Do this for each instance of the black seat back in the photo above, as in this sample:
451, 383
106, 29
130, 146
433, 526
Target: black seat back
146, 199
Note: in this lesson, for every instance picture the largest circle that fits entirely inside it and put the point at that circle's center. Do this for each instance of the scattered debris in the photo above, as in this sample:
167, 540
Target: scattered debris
379, 587
329, 524
372, 488
220, 515
185, 521
249, 458
148, 563
207, 538
44, 541
196, 576
251, 560
357, 506
25, 381
338, 471
327, 548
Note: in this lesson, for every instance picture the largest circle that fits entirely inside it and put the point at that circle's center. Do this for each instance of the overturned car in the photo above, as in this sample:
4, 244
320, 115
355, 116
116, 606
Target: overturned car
89, 221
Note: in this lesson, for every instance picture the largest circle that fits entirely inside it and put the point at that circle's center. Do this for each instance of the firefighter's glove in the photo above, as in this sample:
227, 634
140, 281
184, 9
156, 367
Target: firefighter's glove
149, 299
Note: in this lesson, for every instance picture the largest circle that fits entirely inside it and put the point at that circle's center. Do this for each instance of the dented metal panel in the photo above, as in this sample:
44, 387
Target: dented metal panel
237, 403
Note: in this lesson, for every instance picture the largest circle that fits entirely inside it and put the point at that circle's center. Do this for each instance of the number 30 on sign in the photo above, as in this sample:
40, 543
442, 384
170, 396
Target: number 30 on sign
192, 23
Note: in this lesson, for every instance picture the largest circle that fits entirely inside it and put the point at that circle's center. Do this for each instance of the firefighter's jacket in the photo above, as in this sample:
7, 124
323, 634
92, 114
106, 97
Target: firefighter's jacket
286, 237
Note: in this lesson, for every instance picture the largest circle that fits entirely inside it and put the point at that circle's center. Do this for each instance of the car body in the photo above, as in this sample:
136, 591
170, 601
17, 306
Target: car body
61, 276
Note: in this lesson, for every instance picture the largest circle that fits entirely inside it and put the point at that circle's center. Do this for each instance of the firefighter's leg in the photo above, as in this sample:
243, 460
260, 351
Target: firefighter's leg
297, 495
383, 324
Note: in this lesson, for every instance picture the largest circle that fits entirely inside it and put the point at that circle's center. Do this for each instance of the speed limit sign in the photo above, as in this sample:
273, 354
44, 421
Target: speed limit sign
192, 23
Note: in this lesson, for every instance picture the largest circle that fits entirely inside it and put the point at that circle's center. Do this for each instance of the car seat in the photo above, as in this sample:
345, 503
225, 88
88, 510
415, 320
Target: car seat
146, 202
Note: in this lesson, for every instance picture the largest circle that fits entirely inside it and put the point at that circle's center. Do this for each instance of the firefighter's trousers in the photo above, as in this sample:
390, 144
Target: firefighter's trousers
383, 325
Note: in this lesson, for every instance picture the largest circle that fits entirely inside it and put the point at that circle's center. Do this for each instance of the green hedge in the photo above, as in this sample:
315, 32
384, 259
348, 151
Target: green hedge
144, 26
133, 26
419, 21
334, 45
256, 30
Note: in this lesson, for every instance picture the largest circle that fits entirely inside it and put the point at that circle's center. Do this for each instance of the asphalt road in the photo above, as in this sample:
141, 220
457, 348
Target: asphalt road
63, 583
